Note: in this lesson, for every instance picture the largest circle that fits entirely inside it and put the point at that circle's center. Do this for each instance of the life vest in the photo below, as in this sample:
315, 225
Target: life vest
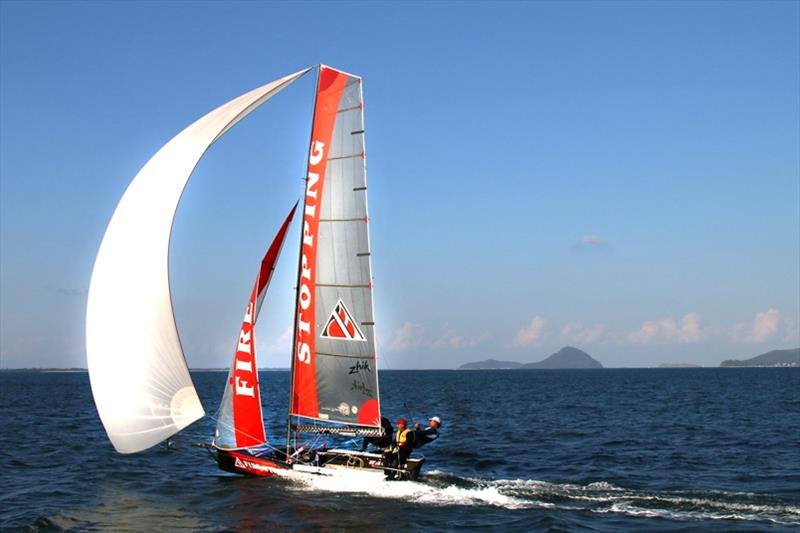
403, 439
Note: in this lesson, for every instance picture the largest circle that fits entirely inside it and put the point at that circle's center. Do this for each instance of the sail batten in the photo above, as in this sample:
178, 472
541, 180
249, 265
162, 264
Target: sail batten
372, 358
139, 376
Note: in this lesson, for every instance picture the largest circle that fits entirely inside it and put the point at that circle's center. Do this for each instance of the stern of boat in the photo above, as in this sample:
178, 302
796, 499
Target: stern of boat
356, 461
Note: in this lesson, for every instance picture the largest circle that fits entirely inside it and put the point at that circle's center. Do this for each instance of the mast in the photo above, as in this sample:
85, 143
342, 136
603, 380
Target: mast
299, 271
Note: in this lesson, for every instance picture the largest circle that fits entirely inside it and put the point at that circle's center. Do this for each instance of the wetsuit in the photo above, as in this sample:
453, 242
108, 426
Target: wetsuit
424, 436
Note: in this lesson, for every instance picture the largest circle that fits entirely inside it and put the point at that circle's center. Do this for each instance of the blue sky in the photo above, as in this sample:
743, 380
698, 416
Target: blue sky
621, 177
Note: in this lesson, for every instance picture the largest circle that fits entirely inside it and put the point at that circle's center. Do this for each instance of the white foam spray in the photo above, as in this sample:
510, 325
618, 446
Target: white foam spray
443, 489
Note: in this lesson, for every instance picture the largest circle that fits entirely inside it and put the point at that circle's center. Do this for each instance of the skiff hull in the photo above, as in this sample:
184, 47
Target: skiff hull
330, 463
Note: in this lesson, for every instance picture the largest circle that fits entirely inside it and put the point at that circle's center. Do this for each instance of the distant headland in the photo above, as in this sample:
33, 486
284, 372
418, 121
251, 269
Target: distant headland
789, 358
566, 358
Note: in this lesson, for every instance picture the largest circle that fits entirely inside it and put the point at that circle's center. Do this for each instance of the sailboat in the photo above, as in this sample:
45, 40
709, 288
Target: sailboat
139, 376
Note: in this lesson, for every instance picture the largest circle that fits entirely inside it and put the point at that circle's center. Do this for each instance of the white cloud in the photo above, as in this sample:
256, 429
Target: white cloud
406, 337
577, 333
450, 339
282, 344
690, 328
411, 335
530, 334
765, 325
668, 330
591, 241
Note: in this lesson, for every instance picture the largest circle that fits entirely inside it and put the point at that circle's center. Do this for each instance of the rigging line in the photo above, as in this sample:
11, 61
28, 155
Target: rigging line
408, 413
240, 432
206, 447
296, 459
352, 441
171, 446
316, 439
211, 453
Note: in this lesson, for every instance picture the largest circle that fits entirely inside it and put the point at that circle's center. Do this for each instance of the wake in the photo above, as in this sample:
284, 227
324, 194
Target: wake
442, 489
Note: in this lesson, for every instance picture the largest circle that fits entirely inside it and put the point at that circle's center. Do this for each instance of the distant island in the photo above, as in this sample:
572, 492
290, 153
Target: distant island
566, 358
789, 358
678, 365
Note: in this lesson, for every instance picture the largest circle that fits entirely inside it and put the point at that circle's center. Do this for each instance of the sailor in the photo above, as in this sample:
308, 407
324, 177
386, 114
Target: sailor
404, 440
384, 440
429, 434
397, 455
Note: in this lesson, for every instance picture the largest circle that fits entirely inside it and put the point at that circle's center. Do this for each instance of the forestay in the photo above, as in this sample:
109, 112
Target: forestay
138, 373
334, 374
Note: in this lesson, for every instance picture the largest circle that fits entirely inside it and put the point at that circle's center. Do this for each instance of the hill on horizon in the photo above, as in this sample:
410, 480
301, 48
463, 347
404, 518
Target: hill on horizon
789, 357
567, 357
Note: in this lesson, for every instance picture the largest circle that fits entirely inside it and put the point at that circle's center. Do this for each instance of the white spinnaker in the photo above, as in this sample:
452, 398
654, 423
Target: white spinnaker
139, 377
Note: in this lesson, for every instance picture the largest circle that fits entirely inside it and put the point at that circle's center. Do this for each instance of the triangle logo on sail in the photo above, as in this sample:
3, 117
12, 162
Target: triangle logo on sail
341, 325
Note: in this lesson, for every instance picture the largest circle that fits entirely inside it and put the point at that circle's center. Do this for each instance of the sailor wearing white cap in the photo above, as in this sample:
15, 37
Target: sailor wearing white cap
429, 434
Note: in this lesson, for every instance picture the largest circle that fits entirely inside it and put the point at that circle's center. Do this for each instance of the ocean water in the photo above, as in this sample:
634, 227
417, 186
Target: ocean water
602, 450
